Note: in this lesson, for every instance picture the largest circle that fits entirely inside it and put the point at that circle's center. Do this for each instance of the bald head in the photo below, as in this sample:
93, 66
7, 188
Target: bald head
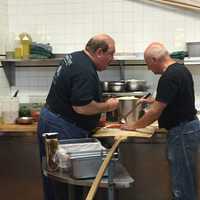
102, 41
156, 50
101, 49
157, 57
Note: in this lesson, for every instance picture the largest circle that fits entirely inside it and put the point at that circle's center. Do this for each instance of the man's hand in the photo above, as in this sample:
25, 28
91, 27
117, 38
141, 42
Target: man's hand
149, 100
112, 104
128, 126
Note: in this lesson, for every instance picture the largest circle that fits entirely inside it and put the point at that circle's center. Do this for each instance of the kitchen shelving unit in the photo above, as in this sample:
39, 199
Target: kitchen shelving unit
9, 65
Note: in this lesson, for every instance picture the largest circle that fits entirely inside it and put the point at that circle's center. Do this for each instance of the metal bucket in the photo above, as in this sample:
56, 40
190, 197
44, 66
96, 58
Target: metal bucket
127, 104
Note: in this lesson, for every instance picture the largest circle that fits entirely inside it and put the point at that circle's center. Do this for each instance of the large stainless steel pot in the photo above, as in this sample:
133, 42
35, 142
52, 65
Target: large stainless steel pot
136, 85
125, 105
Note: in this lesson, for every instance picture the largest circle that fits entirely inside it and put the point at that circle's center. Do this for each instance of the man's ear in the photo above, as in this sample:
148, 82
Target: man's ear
98, 52
154, 59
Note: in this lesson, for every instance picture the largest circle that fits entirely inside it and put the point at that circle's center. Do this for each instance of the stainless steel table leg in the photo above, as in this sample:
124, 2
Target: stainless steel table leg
110, 181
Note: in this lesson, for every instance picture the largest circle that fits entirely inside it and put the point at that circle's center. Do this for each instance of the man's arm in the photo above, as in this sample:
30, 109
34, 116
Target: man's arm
97, 107
148, 118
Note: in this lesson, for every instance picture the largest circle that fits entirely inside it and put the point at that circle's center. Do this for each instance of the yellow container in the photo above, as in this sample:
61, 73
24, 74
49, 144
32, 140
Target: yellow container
25, 47
18, 52
18, 49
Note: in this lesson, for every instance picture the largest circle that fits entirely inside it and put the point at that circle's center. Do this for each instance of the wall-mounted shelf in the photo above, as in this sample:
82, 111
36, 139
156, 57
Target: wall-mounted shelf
192, 61
34, 62
10, 65
54, 62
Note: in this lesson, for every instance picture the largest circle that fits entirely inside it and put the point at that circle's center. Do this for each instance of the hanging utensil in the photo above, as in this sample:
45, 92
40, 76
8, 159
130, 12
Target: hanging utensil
16, 93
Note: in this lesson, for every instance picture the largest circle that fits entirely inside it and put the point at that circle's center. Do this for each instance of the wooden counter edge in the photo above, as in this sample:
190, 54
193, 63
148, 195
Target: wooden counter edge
18, 128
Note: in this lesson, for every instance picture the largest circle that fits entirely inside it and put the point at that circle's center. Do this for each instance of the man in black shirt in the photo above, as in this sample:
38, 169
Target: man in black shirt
74, 103
174, 108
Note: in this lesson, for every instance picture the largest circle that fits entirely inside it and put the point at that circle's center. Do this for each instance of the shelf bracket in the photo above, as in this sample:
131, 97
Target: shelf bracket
9, 69
122, 70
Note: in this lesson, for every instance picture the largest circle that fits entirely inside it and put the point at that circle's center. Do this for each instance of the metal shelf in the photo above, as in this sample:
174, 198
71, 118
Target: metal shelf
9, 65
192, 61
55, 62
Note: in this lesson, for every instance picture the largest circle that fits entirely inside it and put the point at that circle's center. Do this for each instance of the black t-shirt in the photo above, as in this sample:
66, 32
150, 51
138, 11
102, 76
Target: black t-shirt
75, 83
176, 89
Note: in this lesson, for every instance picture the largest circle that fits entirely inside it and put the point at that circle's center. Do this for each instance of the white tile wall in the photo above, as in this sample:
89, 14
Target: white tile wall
68, 24
3, 25
195, 70
33, 82
4, 87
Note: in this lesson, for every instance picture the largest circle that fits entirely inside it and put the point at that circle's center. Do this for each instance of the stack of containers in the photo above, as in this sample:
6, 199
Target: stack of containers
22, 46
9, 110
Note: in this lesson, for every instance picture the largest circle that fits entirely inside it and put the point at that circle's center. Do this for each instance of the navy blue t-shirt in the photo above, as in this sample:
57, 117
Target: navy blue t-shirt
176, 89
75, 83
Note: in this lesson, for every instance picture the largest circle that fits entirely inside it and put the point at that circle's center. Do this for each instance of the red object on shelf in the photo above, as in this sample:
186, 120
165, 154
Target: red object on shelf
35, 115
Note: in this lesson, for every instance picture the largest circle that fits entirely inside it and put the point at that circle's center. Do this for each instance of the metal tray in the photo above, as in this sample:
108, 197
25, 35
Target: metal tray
84, 164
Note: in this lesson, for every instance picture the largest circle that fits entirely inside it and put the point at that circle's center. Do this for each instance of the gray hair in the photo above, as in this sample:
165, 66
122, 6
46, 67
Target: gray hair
93, 44
156, 50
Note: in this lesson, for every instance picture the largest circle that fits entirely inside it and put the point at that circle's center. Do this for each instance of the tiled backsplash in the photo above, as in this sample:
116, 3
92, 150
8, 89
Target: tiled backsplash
68, 24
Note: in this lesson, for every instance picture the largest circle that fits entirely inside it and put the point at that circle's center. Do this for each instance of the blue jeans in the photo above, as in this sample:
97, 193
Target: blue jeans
182, 143
50, 122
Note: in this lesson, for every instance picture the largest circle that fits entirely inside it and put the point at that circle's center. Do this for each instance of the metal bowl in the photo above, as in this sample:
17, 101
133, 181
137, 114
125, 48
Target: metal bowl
116, 86
136, 85
24, 120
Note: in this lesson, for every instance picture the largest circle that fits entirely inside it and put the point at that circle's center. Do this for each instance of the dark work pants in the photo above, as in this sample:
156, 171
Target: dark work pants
50, 122
183, 142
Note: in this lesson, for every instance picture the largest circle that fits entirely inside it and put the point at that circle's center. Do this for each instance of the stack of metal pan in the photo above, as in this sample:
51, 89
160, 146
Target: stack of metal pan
85, 156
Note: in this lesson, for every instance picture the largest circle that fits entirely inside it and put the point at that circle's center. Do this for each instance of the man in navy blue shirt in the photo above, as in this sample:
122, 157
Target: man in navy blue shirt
74, 103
